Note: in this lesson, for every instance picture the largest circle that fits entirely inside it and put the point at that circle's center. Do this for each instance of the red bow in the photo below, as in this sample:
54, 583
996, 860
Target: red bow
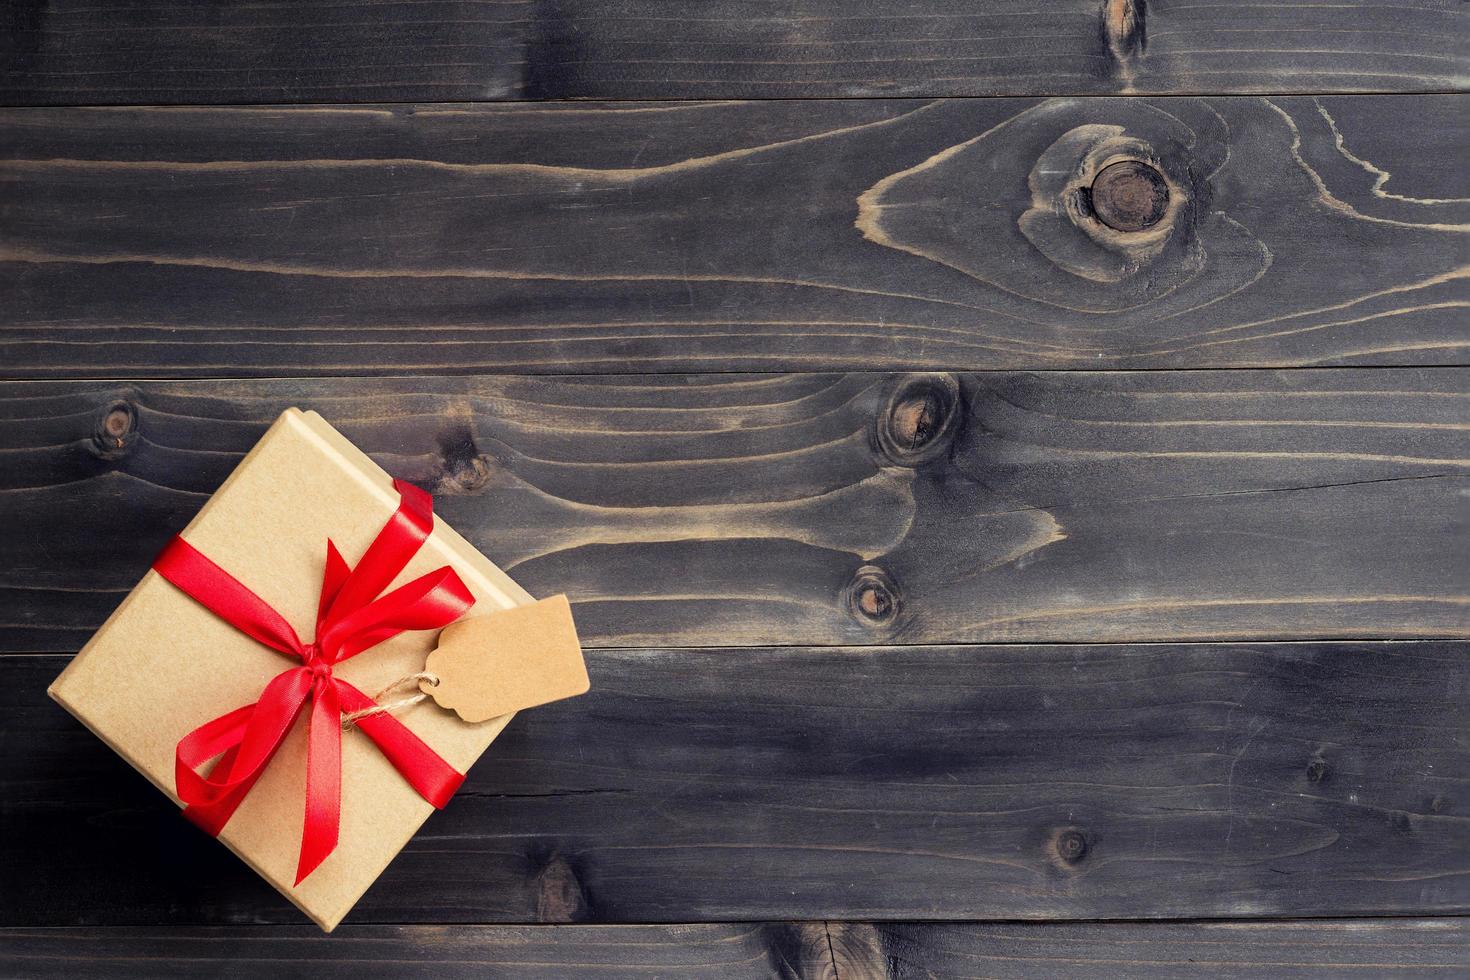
351, 617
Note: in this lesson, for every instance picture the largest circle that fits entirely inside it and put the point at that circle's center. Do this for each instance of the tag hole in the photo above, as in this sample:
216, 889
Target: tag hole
432, 680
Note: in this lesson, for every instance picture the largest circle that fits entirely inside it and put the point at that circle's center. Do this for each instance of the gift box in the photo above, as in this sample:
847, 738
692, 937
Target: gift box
192, 668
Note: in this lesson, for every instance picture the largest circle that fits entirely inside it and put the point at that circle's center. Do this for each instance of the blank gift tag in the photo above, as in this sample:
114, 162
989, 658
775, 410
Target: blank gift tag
489, 666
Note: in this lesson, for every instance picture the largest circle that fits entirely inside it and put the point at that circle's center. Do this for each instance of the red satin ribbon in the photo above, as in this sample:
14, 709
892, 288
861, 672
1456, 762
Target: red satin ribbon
351, 617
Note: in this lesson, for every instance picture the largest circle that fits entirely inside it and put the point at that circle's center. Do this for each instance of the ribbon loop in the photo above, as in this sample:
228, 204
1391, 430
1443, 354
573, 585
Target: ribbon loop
430, 600
351, 618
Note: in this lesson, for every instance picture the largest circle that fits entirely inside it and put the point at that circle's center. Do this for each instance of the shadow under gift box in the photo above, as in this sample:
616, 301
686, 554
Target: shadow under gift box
162, 664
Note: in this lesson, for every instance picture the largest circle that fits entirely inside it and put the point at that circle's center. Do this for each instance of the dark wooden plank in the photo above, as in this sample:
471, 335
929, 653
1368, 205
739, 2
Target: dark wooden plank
173, 51
736, 951
1386, 948
75, 52
733, 509
1265, 951
1024, 781
731, 236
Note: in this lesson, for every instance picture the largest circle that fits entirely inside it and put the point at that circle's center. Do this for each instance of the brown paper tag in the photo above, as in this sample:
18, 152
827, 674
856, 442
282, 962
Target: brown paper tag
511, 659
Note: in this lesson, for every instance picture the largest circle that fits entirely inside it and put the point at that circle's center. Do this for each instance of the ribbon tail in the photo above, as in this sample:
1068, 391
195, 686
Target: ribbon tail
430, 776
323, 780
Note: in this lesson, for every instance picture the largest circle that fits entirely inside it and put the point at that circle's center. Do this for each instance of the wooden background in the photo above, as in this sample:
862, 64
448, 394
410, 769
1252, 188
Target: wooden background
971, 587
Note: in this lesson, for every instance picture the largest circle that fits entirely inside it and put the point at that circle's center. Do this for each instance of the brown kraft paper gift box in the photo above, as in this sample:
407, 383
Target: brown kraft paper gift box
163, 664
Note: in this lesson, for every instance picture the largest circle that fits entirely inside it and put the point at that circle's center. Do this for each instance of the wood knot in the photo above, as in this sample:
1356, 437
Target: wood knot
1129, 196
872, 598
826, 950
560, 896
116, 430
464, 469
1123, 27
920, 419
855, 950
1070, 847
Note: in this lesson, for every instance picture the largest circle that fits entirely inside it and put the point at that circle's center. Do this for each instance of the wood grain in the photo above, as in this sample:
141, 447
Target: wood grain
1383, 948
863, 508
172, 51
1008, 782
733, 236
718, 952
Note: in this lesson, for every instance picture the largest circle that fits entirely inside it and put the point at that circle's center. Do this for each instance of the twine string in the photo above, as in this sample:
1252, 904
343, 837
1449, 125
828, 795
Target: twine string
350, 718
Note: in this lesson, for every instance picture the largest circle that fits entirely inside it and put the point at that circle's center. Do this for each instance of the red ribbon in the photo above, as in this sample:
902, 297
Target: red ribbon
351, 617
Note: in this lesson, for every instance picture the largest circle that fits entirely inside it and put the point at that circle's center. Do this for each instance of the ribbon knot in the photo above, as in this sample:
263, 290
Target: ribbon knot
352, 616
